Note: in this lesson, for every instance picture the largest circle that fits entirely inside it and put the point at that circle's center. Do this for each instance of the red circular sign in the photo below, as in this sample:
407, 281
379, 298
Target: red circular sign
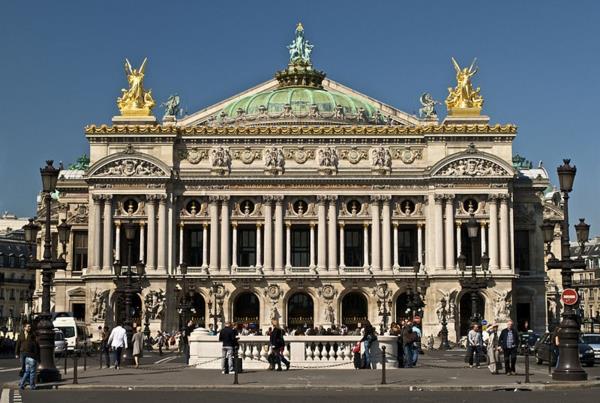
569, 296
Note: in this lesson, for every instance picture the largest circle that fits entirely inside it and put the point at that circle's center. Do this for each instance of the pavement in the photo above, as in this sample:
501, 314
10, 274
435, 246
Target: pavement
437, 371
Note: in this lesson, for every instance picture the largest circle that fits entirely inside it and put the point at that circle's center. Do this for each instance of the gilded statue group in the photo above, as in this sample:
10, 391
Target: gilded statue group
135, 101
464, 96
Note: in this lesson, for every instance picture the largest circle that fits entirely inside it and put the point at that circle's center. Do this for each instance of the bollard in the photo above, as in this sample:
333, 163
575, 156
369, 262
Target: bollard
85, 358
101, 354
236, 365
75, 368
66, 358
383, 360
527, 363
550, 346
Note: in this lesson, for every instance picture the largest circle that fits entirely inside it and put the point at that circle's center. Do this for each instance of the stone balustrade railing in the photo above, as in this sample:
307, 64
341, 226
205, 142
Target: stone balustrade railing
301, 351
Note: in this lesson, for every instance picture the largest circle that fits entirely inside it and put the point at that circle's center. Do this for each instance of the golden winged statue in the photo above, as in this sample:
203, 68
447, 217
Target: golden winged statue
135, 101
464, 100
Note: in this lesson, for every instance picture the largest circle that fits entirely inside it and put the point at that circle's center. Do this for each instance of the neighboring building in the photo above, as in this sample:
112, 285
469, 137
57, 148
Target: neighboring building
10, 222
303, 200
587, 281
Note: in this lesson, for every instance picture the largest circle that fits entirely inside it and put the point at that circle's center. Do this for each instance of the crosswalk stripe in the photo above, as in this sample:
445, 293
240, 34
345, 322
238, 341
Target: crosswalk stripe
9, 369
5, 396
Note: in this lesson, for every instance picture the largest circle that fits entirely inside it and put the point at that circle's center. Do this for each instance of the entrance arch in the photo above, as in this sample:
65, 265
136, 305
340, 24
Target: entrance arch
355, 309
197, 309
300, 311
402, 307
466, 311
246, 308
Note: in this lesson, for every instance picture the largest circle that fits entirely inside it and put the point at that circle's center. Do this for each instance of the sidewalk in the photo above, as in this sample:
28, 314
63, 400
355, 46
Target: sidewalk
437, 371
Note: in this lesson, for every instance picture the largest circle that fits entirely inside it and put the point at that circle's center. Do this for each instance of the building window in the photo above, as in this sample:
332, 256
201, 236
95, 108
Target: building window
193, 247
466, 247
80, 250
300, 246
1, 293
522, 251
2, 262
407, 247
12, 293
135, 248
12, 260
246, 246
353, 246
79, 311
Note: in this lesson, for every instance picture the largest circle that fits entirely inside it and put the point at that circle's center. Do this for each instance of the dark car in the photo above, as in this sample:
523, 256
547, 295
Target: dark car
528, 339
544, 350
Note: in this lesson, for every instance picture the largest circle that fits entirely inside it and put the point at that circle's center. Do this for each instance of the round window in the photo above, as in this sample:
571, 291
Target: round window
353, 207
193, 207
247, 207
130, 206
300, 207
407, 206
470, 205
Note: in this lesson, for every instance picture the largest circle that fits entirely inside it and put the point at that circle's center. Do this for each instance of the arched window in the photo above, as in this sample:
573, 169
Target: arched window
300, 311
354, 310
246, 308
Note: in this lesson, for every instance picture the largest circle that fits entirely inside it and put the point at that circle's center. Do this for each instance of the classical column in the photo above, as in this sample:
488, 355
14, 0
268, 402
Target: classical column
161, 259
342, 260
107, 233
151, 248
420, 243
142, 242
375, 234
181, 228
396, 265
332, 238
214, 232
118, 241
504, 228
97, 232
278, 233
483, 243
268, 212
312, 245
438, 230
258, 245
288, 245
493, 232
234, 242
322, 241
386, 242
366, 245
170, 236
224, 233
204, 245
449, 241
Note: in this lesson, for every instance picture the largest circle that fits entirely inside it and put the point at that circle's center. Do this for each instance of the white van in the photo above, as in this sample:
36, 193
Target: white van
76, 333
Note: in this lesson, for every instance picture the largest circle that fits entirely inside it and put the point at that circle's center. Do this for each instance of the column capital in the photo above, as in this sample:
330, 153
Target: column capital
458, 224
117, 223
151, 198
386, 199
259, 224
504, 197
341, 224
224, 198
97, 198
449, 197
321, 199
142, 224
366, 225
332, 198
483, 223
268, 199
205, 225
162, 199
106, 197
213, 198
278, 199
312, 225
395, 224
419, 225
438, 198
374, 198
288, 224
234, 224
181, 224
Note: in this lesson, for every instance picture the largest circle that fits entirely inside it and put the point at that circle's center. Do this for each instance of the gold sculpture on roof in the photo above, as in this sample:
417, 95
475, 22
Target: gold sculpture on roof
464, 100
135, 101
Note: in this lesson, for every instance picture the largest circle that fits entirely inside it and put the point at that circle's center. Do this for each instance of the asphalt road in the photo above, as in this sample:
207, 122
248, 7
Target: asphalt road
296, 396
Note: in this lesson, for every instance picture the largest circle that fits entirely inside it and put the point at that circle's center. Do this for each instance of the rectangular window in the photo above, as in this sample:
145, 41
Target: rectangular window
300, 247
467, 247
353, 246
246, 247
522, 251
135, 248
80, 250
78, 312
407, 247
193, 247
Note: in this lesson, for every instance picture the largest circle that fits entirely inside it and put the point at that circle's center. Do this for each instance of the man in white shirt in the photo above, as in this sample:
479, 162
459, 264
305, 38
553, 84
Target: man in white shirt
117, 341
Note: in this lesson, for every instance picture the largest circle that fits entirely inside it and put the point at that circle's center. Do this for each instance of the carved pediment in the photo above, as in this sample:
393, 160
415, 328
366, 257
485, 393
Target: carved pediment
129, 164
470, 167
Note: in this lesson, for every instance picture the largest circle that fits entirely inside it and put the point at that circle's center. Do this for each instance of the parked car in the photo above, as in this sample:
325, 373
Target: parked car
527, 339
586, 353
60, 343
594, 341
76, 333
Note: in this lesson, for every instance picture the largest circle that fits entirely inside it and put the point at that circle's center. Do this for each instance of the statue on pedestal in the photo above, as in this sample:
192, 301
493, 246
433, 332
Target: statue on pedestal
135, 101
464, 99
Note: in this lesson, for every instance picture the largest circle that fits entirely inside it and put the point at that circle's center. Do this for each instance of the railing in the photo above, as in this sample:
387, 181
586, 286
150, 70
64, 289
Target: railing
302, 351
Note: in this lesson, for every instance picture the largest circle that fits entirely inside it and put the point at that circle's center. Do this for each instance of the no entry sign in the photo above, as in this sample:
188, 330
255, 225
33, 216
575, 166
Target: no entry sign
569, 296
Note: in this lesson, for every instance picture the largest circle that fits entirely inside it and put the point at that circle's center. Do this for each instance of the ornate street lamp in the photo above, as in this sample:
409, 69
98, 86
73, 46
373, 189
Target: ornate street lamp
184, 301
63, 236
48, 266
568, 367
444, 344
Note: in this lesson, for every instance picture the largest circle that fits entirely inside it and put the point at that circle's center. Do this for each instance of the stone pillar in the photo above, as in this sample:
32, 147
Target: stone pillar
142, 242
395, 246
312, 245
386, 241
420, 243
118, 241
151, 249
449, 232
162, 234
458, 239
170, 236
107, 234
204, 245
97, 231
366, 245
214, 233
438, 230
224, 233
234, 242
504, 228
258, 246
342, 260
332, 237
493, 232
288, 245
181, 233
268, 249
375, 234
278, 233
483, 243
322, 241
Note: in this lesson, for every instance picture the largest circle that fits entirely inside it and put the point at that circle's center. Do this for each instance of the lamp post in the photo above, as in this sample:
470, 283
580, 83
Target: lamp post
184, 301
48, 266
474, 283
444, 344
128, 289
568, 366
415, 303
384, 306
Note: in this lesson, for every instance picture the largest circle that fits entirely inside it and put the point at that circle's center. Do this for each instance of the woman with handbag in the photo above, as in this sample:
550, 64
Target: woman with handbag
492, 348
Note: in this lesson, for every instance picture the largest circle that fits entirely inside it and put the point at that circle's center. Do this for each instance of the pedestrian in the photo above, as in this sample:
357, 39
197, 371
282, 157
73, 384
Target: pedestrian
28, 348
416, 347
21, 343
105, 346
228, 336
408, 338
368, 338
278, 346
117, 341
137, 340
509, 339
185, 340
492, 348
474, 344
160, 341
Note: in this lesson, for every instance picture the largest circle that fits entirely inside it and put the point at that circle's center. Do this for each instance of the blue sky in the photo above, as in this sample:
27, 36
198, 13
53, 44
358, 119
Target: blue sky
61, 68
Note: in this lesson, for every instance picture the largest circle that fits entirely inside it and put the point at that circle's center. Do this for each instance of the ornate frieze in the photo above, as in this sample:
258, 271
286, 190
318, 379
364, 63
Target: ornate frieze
220, 160
381, 160
194, 155
353, 155
274, 160
327, 159
246, 155
300, 154
471, 167
77, 214
130, 167
407, 155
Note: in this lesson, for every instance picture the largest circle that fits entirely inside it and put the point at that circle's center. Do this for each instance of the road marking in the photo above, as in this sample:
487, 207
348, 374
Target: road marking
166, 359
17, 396
5, 396
9, 369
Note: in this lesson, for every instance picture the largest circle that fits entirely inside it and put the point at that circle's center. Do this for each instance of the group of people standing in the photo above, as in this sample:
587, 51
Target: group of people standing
490, 343
409, 341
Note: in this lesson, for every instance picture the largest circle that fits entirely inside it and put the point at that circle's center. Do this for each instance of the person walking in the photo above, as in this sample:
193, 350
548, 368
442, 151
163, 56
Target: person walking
160, 341
228, 336
278, 346
105, 346
117, 341
408, 339
138, 345
474, 345
509, 339
368, 338
28, 350
416, 347
492, 348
